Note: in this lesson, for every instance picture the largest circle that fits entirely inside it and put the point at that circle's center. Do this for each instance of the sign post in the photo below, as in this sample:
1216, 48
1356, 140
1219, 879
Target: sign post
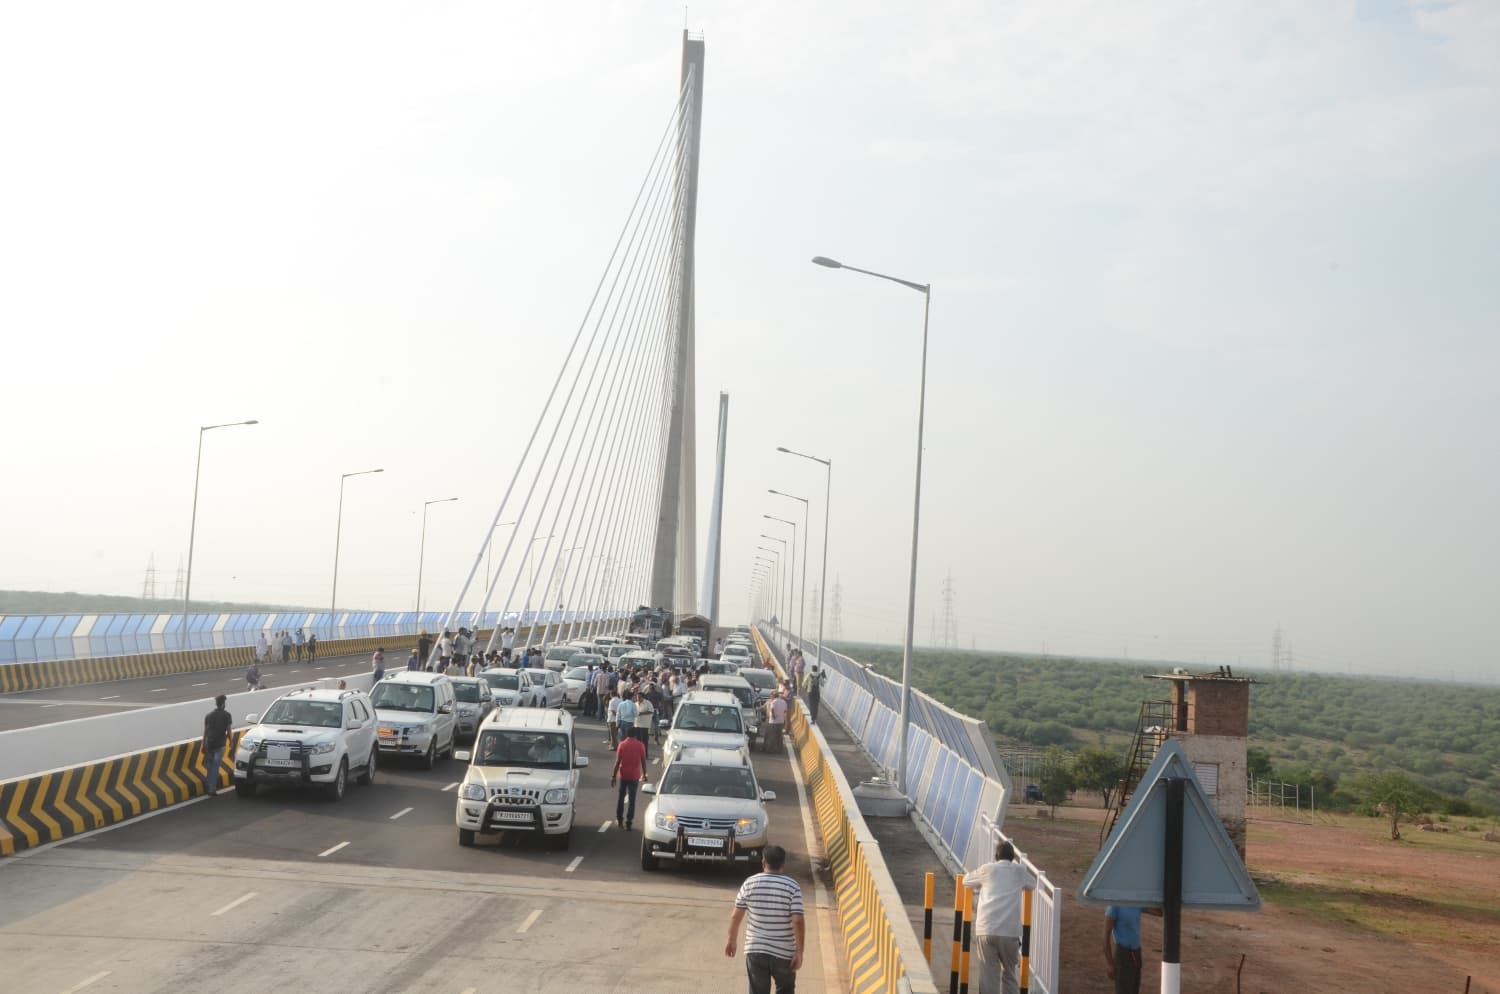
1170, 851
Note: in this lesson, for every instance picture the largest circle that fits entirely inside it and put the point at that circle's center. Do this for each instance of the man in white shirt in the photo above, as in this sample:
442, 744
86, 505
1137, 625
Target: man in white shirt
997, 919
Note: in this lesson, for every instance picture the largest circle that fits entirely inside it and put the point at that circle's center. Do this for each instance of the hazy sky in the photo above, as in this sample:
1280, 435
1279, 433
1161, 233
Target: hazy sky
1214, 316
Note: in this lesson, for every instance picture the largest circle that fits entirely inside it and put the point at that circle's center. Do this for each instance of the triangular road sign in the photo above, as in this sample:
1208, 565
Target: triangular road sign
1128, 870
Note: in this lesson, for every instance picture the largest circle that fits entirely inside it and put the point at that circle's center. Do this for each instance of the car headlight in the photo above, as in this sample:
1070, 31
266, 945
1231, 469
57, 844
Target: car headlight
249, 744
472, 792
410, 729
666, 822
323, 748
747, 826
557, 795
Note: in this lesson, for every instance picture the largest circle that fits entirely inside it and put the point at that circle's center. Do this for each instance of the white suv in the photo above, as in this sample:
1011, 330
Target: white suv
523, 777
416, 715
707, 719
708, 809
309, 737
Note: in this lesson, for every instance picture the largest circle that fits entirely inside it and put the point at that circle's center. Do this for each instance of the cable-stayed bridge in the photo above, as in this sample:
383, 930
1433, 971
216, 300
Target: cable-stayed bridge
596, 519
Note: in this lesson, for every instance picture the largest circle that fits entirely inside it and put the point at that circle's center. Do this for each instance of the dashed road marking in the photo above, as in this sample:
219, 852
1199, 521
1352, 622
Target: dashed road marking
203, 684
234, 904
530, 920
51, 705
574, 865
81, 985
295, 672
163, 690
332, 849
605, 827
407, 811
450, 786
111, 697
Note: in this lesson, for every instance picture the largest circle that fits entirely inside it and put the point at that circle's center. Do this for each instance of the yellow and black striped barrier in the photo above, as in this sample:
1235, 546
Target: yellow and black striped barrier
1025, 941
927, 894
878, 956
958, 934
50, 807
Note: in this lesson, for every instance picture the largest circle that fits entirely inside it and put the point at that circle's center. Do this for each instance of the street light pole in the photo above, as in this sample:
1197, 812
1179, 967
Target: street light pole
791, 599
925, 289
827, 504
422, 554
802, 605
187, 583
776, 573
338, 536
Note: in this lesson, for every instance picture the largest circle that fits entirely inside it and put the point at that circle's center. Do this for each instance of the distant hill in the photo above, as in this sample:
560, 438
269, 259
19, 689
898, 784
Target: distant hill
69, 602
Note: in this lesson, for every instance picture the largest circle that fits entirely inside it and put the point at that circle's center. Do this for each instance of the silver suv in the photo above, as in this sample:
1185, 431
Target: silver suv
709, 719
309, 737
416, 715
708, 809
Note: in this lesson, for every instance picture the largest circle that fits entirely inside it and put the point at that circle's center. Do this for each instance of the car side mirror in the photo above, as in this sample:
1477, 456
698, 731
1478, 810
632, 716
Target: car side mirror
579, 762
353, 723
768, 795
445, 709
252, 718
648, 788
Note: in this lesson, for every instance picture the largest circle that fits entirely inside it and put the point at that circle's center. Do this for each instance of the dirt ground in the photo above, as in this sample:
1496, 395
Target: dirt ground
1345, 909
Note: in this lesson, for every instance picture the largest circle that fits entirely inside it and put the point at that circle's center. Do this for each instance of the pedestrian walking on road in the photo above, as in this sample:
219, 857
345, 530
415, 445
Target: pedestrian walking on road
377, 659
630, 770
414, 662
262, 650
815, 691
378, 673
612, 719
312, 647
300, 643
216, 725
252, 676
777, 932
445, 652
997, 919
645, 717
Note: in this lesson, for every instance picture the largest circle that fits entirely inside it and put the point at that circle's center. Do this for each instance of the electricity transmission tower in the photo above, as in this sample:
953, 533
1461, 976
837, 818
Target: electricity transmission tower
950, 622
148, 586
836, 614
178, 583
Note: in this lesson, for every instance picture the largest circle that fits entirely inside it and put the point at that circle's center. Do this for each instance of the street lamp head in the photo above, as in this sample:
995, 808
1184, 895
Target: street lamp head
782, 448
252, 421
823, 260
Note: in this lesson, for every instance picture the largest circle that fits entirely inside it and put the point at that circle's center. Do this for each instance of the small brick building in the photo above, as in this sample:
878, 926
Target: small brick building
1210, 718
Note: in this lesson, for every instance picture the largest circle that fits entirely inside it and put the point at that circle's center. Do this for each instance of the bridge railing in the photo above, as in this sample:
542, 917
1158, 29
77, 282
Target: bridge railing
46, 637
957, 781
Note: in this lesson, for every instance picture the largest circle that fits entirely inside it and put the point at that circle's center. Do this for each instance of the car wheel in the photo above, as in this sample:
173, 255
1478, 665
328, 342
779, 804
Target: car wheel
649, 863
452, 744
465, 837
368, 776
335, 790
244, 788
430, 760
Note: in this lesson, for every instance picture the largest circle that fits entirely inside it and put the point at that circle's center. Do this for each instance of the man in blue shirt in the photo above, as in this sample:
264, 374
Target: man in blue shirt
1122, 947
628, 711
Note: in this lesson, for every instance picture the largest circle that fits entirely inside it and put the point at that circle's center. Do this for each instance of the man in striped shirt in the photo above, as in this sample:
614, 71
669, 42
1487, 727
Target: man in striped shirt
775, 936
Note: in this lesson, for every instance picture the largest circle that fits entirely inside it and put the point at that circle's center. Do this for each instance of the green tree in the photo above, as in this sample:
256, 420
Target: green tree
1258, 763
1392, 794
1098, 769
1056, 778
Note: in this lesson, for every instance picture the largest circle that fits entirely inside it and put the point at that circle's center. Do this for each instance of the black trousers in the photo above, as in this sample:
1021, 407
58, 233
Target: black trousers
762, 968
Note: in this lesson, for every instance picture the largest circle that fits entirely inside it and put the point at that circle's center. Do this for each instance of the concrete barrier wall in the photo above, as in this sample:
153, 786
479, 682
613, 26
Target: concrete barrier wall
881, 951
62, 744
49, 807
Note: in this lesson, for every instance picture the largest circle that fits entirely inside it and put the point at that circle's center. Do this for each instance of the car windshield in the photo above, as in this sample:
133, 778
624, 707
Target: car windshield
503, 681
744, 695
759, 679
586, 660
708, 718
402, 697
709, 781
467, 692
319, 714
562, 652
508, 747
578, 673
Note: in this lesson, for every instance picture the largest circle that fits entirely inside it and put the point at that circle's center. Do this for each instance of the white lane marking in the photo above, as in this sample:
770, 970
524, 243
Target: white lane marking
450, 787
161, 690
111, 697
51, 705
204, 684
822, 905
398, 814
234, 904
295, 672
605, 827
333, 849
530, 920
574, 865
80, 986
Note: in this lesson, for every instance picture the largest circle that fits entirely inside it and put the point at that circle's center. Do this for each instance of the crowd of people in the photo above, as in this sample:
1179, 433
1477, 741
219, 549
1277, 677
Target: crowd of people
283, 646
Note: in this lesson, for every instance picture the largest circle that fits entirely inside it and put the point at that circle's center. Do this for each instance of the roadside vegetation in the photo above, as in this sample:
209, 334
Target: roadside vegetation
69, 602
1365, 744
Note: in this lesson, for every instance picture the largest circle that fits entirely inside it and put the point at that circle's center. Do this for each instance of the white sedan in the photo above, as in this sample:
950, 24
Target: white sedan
575, 681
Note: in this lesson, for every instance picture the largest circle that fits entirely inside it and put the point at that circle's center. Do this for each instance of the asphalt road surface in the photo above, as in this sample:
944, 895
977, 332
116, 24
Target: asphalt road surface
42, 707
288, 891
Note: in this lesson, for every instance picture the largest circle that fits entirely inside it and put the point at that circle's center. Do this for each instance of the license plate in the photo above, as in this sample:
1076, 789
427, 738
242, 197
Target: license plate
281, 762
704, 842
513, 816
280, 755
